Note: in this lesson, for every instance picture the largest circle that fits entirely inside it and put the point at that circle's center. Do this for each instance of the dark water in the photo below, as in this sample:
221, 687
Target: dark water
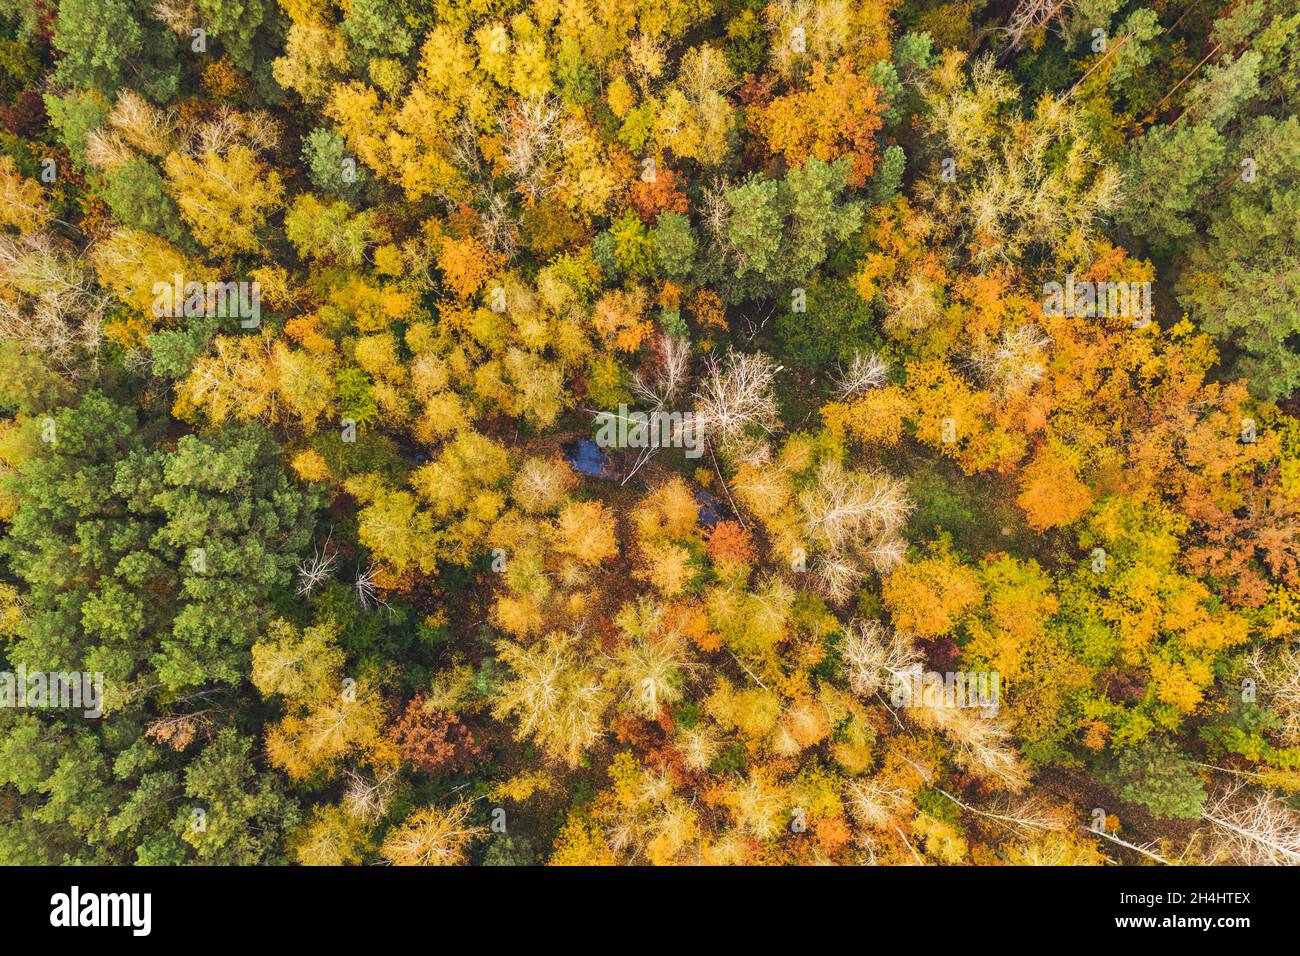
588, 458
711, 509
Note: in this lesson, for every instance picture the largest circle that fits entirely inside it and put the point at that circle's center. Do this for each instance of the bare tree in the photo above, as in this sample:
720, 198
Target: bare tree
875, 654
314, 571
912, 305
1279, 678
179, 16
755, 319
853, 522
875, 805
367, 593
464, 149
178, 731
365, 798
670, 374
216, 135
262, 131
982, 745
698, 745
536, 132
824, 28
841, 507
715, 211
1254, 828
735, 398
886, 551
138, 360
837, 575
1015, 361
1027, 816
658, 391
106, 148
49, 301
867, 371
498, 226
145, 126
1028, 17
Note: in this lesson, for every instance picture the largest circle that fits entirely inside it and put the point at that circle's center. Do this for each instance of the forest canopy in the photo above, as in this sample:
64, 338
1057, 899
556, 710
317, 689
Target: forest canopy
512, 432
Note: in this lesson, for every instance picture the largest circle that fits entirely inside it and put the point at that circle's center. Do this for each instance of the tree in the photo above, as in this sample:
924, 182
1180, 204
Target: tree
299, 665
1254, 829
1159, 776
235, 23
658, 195
135, 192
1196, 192
434, 740
173, 575
22, 201
928, 597
315, 54
768, 235
151, 563
376, 26
555, 694
242, 814
837, 113
331, 168
333, 232
99, 37
1052, 493
432, 837
49, 305
347, 721
466, 265
1007, 197
331, 837
585, 532
225, 199
74, 115
674, 245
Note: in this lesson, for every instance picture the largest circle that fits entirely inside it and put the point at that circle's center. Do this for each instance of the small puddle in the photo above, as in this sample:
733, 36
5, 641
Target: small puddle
588, 458
711, 509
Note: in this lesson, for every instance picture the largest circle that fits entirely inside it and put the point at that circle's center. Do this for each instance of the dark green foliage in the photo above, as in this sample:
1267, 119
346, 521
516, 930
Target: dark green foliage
235, 23
778, 231
331, 166
175, 550
151, 562
505, 849
836, 323
105, 41
1159, 776
174, 350
74, 115
377, 27
242, 812
134, 191
1219, 194
99, 37
888, 177
674, 245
